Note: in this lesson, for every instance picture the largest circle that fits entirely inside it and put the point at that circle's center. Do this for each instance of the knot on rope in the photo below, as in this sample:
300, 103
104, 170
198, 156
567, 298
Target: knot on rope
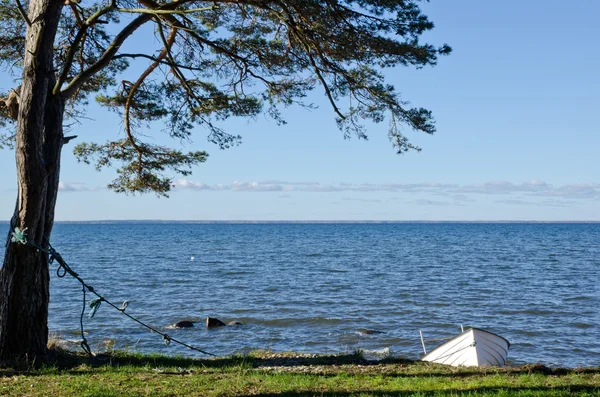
61, 271
166, 339
95, 305
123, 306
86, 348
19, 236
62, 268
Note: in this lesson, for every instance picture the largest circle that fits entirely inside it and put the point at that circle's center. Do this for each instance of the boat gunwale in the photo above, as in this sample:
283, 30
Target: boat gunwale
463, 334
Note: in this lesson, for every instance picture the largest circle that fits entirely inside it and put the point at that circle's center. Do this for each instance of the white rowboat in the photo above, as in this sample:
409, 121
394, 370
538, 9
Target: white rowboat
473, 348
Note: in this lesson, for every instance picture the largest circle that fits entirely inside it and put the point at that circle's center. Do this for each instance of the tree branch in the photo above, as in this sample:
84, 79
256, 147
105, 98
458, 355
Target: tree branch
133, 90
78, 38
163, 62
295, 31
23, 13
167, 12
108, 55
178, 74
322, 80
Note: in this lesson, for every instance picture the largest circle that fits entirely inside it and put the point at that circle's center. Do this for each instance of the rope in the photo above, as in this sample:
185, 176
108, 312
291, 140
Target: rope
19, 236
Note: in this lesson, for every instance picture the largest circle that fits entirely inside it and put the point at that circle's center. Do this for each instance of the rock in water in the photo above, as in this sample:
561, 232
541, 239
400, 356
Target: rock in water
183, 324
371, 332
214, 322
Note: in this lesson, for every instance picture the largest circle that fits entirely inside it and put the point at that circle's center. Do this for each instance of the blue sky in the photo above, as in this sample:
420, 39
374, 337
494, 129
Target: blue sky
516, 106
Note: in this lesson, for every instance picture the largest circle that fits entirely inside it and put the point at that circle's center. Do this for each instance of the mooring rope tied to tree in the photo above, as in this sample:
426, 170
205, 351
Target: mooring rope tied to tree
19, 236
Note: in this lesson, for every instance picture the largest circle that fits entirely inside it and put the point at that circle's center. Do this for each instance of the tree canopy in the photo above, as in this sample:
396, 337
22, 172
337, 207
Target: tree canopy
204, 61
188, 65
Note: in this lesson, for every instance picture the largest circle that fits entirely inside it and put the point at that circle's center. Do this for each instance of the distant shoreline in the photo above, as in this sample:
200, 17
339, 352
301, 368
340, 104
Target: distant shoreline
160, 221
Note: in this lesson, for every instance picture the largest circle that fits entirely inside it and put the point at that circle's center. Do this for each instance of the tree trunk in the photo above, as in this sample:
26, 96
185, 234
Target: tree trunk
24, 276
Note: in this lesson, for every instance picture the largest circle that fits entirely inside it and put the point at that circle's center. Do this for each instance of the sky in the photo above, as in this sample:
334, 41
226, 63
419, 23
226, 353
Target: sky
516, 107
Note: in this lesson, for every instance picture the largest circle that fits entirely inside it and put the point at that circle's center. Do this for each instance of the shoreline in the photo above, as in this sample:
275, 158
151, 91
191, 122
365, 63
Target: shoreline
269, 374
309, 222
270, 358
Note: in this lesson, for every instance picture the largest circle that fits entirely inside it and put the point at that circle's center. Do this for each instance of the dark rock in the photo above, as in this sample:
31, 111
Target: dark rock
371, 332
184, 324
214, 322
234, 323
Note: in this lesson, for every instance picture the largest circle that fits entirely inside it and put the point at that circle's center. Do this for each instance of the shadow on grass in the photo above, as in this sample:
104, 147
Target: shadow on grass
323, 365
64, 360
475, 391
68, 360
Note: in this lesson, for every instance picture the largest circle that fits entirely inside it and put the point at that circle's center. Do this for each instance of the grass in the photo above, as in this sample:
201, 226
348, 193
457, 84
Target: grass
282, 374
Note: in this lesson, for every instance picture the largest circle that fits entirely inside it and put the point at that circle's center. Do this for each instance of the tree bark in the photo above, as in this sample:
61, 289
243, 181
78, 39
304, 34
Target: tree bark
24, 276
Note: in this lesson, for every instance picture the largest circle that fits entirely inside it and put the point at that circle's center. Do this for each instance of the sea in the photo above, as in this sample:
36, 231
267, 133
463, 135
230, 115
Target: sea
332, 288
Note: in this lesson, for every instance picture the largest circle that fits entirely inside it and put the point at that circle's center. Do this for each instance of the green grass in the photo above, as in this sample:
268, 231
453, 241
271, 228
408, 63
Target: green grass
282, 374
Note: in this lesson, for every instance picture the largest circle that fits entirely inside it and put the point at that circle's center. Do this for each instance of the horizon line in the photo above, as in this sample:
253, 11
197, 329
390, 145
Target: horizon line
240, 221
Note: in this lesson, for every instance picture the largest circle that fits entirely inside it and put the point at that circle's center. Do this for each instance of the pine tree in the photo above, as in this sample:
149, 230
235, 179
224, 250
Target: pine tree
214, 60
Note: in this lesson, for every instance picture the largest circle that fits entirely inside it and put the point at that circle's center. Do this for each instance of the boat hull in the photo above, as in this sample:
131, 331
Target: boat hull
473, 348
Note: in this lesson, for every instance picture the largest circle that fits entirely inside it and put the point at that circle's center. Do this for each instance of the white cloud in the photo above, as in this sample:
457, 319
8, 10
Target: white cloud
359, 200
276, 185
276, 182
579, 190
256, 187
427, 186
457, 193
543, 203
504, 187
433, 202
187, 184
74, 187
534, 188
317, 187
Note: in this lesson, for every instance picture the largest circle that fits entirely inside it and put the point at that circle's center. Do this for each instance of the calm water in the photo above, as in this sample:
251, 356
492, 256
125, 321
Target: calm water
314, 287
